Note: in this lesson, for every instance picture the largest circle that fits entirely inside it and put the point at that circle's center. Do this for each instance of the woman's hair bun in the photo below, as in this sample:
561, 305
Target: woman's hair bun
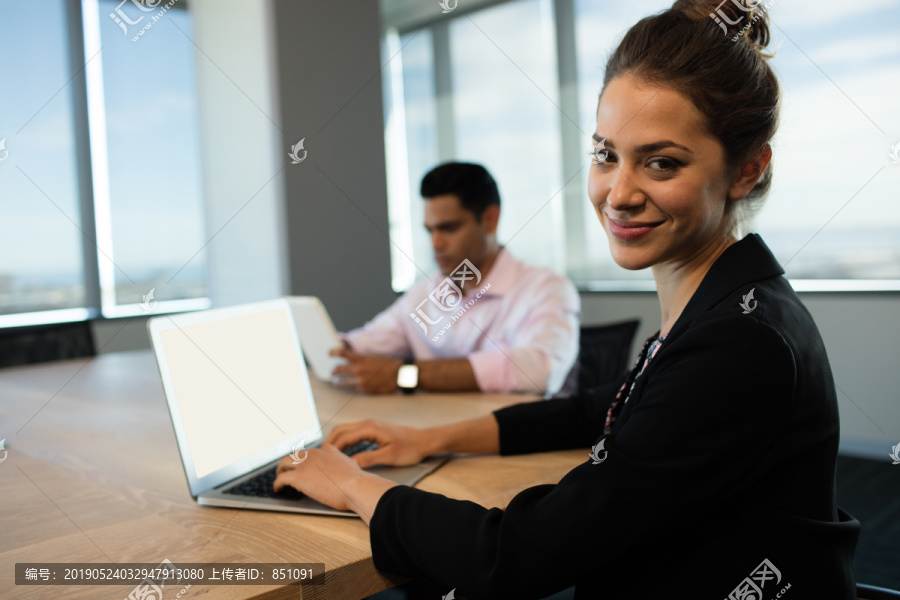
747, 19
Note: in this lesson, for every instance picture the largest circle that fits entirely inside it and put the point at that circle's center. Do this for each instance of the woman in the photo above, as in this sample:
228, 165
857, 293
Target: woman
712, 468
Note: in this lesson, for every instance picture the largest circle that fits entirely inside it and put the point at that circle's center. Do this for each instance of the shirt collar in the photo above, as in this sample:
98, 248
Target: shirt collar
503, 275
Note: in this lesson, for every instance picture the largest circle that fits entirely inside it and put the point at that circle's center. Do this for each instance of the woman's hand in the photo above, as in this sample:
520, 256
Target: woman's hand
397, 445
321, 475
331, 477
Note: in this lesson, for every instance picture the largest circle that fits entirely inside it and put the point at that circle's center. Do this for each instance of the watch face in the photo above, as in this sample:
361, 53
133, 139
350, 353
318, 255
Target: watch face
408, 377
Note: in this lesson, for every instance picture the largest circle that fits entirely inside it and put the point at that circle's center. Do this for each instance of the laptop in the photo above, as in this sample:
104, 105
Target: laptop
239, 398
317, 335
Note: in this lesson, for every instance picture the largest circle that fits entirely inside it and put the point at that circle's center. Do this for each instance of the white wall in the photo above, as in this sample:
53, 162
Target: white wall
241, 149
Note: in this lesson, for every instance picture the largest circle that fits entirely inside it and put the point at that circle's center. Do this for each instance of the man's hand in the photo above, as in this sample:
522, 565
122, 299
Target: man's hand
368, 373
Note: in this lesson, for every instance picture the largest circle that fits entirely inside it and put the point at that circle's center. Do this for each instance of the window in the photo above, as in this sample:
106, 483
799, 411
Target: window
851, 196
485, 111
830, 219
41, 259
155, 206
508, 121
411, 122
100, 190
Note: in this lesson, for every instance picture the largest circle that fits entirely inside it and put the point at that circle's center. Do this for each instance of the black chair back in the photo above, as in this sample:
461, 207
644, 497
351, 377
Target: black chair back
44, 343
604, 352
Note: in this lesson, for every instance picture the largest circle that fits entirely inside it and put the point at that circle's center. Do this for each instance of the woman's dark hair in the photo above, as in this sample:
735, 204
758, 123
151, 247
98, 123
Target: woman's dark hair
712, 53
471, 183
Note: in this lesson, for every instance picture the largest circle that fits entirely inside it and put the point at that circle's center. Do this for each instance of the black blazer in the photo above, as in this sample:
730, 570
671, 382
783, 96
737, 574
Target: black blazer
718, 474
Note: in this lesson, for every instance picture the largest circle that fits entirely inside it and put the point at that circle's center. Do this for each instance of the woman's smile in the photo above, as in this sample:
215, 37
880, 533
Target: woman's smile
629, 230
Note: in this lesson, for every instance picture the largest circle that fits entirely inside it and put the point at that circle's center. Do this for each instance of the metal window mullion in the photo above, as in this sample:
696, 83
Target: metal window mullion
443, 92
99, 157
573, 139
403, 272
78, 91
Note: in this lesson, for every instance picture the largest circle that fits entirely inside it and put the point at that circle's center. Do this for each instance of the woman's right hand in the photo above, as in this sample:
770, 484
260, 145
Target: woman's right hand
398, 445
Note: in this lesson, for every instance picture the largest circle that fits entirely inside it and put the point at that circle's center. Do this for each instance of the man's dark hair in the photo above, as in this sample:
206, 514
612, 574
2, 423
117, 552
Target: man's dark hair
471, 183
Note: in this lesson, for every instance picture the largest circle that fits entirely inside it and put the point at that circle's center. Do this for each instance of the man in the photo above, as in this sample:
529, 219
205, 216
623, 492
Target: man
485, 322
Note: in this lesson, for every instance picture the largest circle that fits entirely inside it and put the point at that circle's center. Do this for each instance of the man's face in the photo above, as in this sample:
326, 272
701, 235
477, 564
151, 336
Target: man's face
455, 232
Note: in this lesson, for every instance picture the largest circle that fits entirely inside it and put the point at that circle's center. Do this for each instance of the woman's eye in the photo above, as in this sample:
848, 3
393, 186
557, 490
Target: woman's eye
664, 164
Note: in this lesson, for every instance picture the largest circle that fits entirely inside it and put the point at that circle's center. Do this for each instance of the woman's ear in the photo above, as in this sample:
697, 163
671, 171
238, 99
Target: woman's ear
750, 173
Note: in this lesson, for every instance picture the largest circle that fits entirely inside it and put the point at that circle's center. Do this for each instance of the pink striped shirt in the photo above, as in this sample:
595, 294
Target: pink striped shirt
518, 326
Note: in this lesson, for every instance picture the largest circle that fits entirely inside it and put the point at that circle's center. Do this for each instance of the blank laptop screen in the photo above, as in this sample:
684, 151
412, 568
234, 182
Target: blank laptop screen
240, 386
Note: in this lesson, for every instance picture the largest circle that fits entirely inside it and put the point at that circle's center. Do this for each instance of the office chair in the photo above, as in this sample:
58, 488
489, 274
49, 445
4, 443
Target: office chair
604, 353
871, 592
43, 343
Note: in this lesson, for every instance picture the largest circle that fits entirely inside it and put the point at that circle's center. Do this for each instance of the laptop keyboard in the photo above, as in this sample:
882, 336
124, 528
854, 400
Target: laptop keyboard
261, 485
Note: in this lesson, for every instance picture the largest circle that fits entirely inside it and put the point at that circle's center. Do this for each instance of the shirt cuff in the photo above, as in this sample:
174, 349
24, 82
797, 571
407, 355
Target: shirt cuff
492, 372
345, 338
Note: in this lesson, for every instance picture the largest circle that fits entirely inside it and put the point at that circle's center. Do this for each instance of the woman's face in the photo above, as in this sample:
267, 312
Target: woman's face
661, 192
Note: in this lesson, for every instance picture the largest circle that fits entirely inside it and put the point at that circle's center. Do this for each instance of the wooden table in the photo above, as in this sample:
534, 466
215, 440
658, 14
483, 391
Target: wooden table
93, 474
